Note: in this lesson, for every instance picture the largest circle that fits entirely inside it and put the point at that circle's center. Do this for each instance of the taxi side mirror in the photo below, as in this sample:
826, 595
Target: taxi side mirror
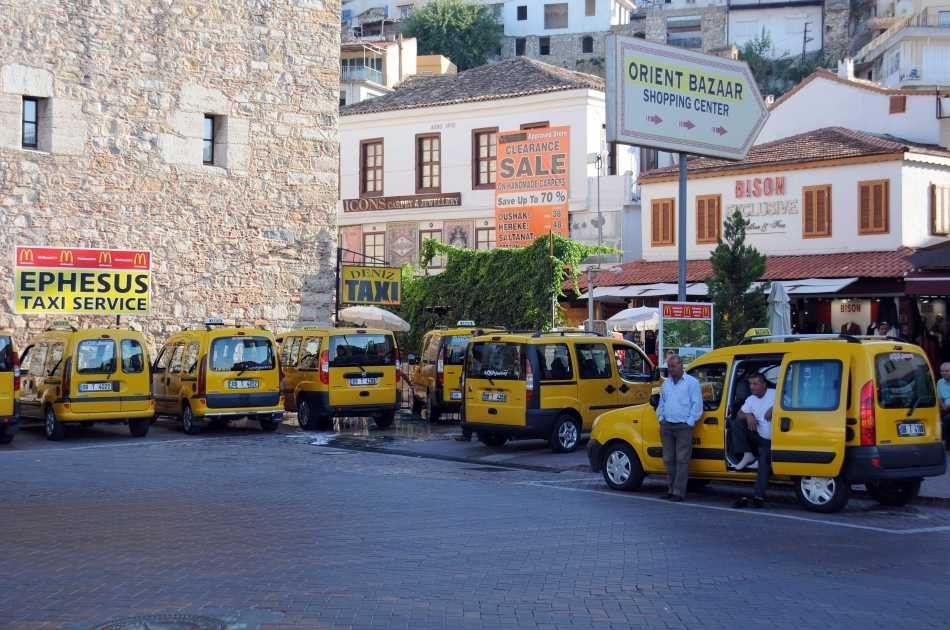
655, 401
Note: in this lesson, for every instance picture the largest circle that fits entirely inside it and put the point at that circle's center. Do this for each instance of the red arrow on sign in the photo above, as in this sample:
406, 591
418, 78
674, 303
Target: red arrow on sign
656, 120
720, 130
687, 123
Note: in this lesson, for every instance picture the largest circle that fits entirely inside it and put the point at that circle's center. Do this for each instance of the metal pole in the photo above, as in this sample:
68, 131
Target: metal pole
681, 230
590, 299
554, 295
339, 287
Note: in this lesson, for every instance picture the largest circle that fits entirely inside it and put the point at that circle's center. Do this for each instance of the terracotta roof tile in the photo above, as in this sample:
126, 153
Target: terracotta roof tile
511, 78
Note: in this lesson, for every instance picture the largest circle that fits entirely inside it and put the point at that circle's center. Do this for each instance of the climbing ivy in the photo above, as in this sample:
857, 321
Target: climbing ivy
497, 287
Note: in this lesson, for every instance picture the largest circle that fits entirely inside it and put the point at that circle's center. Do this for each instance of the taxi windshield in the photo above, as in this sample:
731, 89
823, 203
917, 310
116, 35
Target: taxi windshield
240, 353
362, 349
904, 380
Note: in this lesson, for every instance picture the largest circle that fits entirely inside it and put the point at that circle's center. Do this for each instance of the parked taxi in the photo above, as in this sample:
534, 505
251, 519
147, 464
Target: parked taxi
331, 372
549, 385
219, 373
848, 410
9, 388
71, 376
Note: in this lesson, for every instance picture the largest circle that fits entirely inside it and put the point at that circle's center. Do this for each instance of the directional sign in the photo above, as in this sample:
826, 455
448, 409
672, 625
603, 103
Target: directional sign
676, 100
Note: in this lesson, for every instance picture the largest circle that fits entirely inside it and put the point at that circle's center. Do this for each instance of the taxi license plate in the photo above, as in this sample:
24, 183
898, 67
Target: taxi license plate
95, 387
455, 395
911, 429
362, 382
243, 383
494, 396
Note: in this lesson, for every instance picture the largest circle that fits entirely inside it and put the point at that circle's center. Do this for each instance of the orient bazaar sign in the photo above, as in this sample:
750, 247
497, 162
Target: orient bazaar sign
762, 201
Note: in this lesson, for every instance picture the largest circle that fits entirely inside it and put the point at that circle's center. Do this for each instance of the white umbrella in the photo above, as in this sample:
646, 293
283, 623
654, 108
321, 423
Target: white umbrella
629, 318
780, 316
373, 317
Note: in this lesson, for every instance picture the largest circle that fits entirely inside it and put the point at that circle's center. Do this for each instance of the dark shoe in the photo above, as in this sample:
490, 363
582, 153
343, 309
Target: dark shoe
675, 498
668, 495
741, 503
758, 503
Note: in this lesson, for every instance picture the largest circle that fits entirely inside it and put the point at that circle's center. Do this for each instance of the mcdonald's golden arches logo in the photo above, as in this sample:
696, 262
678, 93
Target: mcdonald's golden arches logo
26, 255
66, 257
140, 260
105, 258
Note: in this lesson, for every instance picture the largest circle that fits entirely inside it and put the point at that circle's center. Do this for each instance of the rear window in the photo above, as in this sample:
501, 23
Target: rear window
362, 349
240, 354
95, 356
6, 354
904, 380
455, 346
495, 360
133, 357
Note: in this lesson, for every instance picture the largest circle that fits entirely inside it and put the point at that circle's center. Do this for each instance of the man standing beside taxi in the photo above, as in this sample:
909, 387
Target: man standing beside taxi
943, 393
681, 405
757, 411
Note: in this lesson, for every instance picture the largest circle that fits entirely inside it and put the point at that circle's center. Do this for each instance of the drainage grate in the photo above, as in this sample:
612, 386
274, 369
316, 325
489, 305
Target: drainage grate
164, 622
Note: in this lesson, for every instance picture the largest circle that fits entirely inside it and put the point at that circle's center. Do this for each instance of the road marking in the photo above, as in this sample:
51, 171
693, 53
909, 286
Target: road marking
556, 485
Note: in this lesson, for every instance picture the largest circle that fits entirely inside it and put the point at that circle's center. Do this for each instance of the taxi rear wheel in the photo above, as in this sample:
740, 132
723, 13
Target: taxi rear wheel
433, 413
894, 493
492, 439
385, 419
188, 422
822, 494
566, 434
622, 468
55, 430
305, 417
139, 428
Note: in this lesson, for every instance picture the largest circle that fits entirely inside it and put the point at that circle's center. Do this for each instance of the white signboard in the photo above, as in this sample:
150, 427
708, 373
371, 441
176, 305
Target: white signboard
676, 100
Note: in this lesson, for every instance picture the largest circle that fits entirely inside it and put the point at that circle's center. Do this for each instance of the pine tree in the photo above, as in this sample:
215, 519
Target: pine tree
736, 266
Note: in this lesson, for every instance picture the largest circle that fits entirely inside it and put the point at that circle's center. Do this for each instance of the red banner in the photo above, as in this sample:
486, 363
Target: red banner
81, 258
685, 310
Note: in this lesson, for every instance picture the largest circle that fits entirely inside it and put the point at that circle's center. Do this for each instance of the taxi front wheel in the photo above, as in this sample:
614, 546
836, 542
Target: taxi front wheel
622, 469
822, 494
566, 435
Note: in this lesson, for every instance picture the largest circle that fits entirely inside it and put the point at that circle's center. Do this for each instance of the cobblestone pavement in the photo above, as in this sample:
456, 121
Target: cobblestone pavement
282, 531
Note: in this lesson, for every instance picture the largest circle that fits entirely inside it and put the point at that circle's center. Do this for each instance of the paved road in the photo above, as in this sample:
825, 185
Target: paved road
287, 530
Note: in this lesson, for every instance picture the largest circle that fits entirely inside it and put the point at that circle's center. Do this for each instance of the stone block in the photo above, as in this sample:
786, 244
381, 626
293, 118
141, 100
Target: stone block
197, 98
26, 80
10, 117
68, 132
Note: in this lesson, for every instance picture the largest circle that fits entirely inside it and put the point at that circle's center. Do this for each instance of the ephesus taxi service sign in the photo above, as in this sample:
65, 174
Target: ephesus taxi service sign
681, 101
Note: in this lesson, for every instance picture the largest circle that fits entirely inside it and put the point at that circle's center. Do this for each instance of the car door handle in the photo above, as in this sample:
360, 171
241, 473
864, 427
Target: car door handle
610, 389
711, 421
786, 424
624, 389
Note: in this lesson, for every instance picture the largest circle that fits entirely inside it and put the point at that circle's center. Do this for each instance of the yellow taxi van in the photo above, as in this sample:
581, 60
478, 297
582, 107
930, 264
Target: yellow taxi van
218, 373
339, 372
71, 376
9, 388
549, 385
848, 410
435, 374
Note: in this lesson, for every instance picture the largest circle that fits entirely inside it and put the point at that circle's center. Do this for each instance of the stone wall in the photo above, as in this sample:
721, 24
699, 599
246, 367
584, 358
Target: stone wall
125, 86
837, 22
566, 51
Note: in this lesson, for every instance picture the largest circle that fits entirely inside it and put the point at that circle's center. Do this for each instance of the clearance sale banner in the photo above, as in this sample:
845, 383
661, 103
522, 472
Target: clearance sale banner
73, 280
531, 185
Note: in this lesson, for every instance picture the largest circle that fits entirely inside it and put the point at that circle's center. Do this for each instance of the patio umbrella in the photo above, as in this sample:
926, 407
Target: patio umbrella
373, 317
629, 318
780, 316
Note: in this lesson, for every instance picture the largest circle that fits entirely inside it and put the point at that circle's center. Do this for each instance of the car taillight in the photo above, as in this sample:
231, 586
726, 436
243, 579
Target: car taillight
529, 381
202, 376
440, 367
67, 377
868, 429
398, 365
16, 372
325, 367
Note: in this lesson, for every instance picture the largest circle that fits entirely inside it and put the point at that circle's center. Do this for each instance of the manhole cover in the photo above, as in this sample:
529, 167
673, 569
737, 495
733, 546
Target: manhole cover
164, 622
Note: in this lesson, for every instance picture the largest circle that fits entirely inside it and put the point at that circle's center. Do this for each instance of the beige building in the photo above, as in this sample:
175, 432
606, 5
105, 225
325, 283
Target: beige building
371, 67
201, 130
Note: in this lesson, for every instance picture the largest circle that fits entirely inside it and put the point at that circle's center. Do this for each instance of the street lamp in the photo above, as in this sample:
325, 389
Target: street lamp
598, 159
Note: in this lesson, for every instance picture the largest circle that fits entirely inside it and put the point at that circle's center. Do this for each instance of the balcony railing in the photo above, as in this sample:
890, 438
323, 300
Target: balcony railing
361, 73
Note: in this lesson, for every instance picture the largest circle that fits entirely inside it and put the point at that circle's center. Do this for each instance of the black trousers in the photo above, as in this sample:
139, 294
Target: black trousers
740, 438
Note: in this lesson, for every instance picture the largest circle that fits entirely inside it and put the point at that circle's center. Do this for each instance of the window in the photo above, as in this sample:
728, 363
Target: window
436, 235
189, 360
519, 46
662, 222
484, 154
593, 360
555, 15
241, 354
371, 168
522, 13
174, 366
632, 365
712, 383
555, 362
404, 11
898, 104
95, 356
38, 360
31, 108
649, 159
455, 346
55, 359
903, 380
362, 349
498, 361
816, 217
536, 125
939, 210
342, 98
6, 354
428, 163
133, 356
544, 45
684, 31
374, 247
289, 350
430, 351
587, 44
310, 357
161, 363
708, 218
811, 385
497, 10
485, 238
590, 8
873, 207
207, 138
943, 18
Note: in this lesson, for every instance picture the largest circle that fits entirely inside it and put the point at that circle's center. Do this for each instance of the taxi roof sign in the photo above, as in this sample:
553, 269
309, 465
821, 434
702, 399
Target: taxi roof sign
213, 321
465, 322
758, 332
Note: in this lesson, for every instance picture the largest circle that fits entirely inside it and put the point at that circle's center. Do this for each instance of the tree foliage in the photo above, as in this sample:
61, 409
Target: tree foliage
736, 266
776, 74
464, 32
513, 288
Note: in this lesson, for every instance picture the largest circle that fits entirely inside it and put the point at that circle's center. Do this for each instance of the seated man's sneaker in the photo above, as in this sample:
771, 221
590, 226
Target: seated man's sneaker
747, 459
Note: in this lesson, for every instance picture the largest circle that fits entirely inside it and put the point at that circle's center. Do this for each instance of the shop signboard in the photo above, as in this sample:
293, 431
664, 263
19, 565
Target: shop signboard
531, 185
366, 284
76, 280
686, 329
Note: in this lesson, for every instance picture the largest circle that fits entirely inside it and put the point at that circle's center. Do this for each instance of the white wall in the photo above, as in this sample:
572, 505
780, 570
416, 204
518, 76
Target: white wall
577, 22
784, 25
827, 103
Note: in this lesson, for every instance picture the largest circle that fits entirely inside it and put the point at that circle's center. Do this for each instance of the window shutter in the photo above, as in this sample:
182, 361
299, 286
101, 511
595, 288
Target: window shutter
717, 219
879, 204
668, 223
655, 222
873, 207
939, 210
701, 220
809, 215
864, 200
821, 212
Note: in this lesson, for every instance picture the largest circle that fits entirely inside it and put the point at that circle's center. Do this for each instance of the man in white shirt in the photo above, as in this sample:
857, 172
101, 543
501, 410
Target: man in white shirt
757, 413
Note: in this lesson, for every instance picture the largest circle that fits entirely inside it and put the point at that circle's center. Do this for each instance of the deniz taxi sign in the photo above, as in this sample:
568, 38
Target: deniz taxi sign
52, 280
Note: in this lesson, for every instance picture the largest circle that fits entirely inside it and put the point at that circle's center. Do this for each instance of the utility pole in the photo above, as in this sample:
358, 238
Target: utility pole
805, 40
600, 241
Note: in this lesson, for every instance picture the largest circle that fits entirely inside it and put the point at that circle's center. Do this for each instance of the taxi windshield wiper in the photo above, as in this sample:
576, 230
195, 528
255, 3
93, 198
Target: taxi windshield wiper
359, 365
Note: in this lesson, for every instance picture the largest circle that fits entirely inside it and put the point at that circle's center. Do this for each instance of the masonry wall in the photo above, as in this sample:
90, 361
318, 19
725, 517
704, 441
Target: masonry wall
126, 85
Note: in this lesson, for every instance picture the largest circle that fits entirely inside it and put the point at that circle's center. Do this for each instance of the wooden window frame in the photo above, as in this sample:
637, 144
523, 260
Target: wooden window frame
567, 15
886, 197
829, 210
493, 241
590, 8
705, 239
541, 124
382, 162
936, 195
437, 262
376, 260
476, 160
897, 104
420, 165
654, 203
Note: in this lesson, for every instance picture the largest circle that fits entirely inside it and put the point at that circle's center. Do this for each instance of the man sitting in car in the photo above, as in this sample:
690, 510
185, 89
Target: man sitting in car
757, 413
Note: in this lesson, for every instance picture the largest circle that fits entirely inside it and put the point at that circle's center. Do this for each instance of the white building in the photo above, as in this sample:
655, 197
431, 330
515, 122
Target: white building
914, 53
792, 27
386, 212
370, 68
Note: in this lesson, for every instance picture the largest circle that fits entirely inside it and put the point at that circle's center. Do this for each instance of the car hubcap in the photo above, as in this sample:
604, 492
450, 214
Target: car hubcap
618, 467
818, 490
567, 434
50, 423
187, 419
